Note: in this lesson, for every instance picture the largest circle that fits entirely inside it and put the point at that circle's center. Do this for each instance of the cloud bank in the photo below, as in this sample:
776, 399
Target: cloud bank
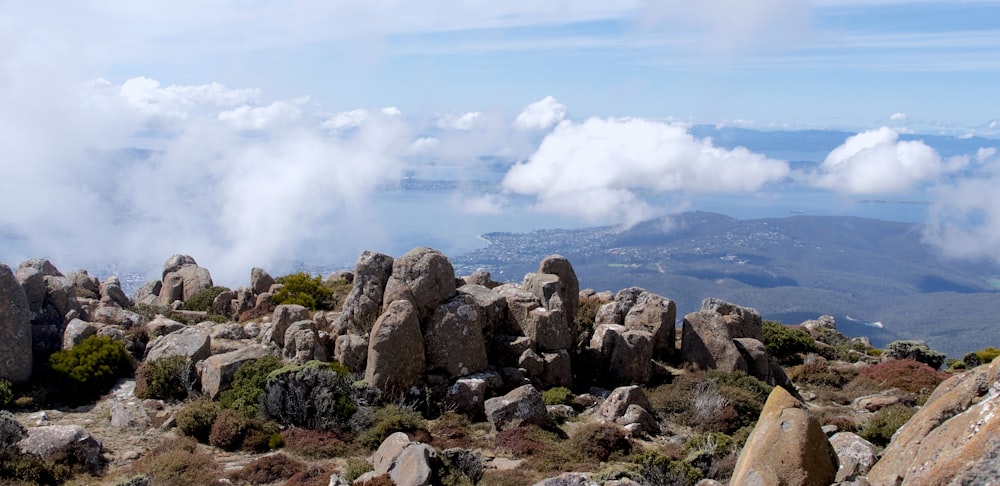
599, 169
877, 162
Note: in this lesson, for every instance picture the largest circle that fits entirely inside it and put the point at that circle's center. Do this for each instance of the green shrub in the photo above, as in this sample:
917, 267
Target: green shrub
301, 289
886, 422
785, 344
6, 393
915, 350
202, 301
655, 468
557, 396
355, 468
821, 374
197, 417
167, 378
952, 364
715, 444
150, 311
178, 462
388, 420
312, 395
272, 469
228, 430
92, 367
28, 469
980, 357
586, 314
248, 384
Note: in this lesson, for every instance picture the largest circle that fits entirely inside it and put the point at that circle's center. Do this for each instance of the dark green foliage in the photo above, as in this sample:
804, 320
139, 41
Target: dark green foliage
197, 417
821, 374
388, 420
167, 378
272, 469
915, 350
586, 314
248, 384
354, 469
885, 422
785, 344
28, 469
6, 393
11, 431
980, 357
716, 444
311, 395
557, 396
178, 462
301, 289
654, 468
90, 368
202, 301
599, 441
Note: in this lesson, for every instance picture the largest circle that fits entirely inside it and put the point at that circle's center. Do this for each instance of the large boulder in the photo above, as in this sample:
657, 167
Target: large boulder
31, 275
855, 454
190, 341
111, 290
707, 342
407, 463
760, 364
625, 356
787, 446
741, 321
492, 311
195, 280
656, 315
364, 303
915, 350
953, 439
351, 351
569, 288
72, 442
620, 399
260, 281
15, 329
424, 277
216, 372
522, 406
302, 343
453, 338
396, 350
175, 262
76, 331
548, 329
284, 316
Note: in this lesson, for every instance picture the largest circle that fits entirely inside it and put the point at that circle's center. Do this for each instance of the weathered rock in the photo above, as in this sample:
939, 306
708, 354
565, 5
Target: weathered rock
216, 372
351, 351
407, 463
222, 304
260, 280
423, 276
302, 343
855, 454
245, 301
874, 403
631, 359
823, 323
787, 446
954, 436
760, 364
531, 363
557, 370
128, 415
195, 280
639, 421
469, 463
620, 399
72, 440
190, 341
111, 288
114, 316
176, 262
467, 396
15, 329
453, 338
86, 286
482, 278
545, 287
364, 303
161, 326
707, 342
547, 329
569, 289
171, 290
31, 275
492, 313
568, 479
284, 316
742, 322
76, 331
656, 315
522, 406
915, 350
148, 293
396, 350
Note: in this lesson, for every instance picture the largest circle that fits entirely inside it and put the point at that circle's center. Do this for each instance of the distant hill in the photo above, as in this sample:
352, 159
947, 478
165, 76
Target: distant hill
863, 271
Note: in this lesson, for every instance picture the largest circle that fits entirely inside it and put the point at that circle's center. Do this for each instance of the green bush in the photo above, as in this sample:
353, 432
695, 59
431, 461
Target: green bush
228, 430
202, 301
92, 367
785, 344
980, 357
557, 396
311, 395
248, 384
388, 420
197, 417
655, 468
716, 444
301, 289
167, 378
886, 422
6, 393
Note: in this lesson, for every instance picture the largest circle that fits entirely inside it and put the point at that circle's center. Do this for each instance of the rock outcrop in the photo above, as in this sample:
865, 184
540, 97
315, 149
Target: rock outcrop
424, 277
396, 350
15, 329
364, 303
522, 406
407, 463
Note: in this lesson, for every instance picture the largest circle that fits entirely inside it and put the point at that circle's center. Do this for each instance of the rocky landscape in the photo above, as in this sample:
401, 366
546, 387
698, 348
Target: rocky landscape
399, 372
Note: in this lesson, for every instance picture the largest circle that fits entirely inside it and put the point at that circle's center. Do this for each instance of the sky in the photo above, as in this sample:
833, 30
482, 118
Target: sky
268, 129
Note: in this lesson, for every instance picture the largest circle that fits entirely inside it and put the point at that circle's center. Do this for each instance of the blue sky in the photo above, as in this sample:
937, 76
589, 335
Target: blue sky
274, 124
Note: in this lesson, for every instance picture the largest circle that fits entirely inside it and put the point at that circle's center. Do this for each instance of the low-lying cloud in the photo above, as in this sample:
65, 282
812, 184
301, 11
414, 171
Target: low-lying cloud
964, 219
599, 169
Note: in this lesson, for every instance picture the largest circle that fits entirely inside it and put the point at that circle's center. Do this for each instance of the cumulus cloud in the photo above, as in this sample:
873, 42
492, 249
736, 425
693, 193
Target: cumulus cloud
463, 121
541, 115
898, 117
964, 220
877, 162
600, 168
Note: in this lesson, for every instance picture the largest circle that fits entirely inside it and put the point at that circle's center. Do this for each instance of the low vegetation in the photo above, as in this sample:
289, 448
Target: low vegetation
90, 368
305, 290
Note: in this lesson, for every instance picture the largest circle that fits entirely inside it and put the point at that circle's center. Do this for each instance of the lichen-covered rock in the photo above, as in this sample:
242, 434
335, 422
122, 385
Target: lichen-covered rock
855, 454
284, 316
568, 479
492, 313
569, 288
760, 364
787, 446
656, 315
453, 338
407, 463
364, 303
15, 329
302, 343
189, 341
76, 331
260, 280
424, 277
396, 350
915, 350
521, 406
216, 372
616, 405
625, 356
161, 326
707, 342
111, 289
351, 351
742, 322
70, 440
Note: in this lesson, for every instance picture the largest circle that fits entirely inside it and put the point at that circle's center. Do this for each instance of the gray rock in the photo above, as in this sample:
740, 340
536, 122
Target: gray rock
15, 329
284, 316
176, 262
148, 293
72, 440
190, 341
161, 326
707, 342
365, 301
423, 276
76, 331
467, 396
302, 343
569, 290
114, 316
31, 275
407, 463
856, 455
396, 350
351, 351
492, 314
111, 288
482, 278
172, 290
522, 406
260, 280
195, 279
557, 370
656, 315
639, 421
618, 402
743, 322
216, 372
824, 322
568, 479
453, 339
760, 364
547, 329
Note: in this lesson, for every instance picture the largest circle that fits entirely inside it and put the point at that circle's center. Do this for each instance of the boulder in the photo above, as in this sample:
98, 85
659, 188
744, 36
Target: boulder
351, 351
953, 439
407, 463
148, 293
547, 329
260, 280
15, 329
31, 275
76, 331
492, 312
453, 338
545, 287
111, 289
86, 286
284, 316
71, 441
176, 262
467, 396
568, 479
195, 279
396, 350
115, 316
855, 454
822, 324
557, 370
787, 446
171, 290
569, 289
216, 372
638, 421
161, 326
222, 304
618, 402
190, 341
631, 359
915, 350
522, 406
364, 303
707, 342
422, 276
760, 364
741, 321
302, 343
482, 278
656, 315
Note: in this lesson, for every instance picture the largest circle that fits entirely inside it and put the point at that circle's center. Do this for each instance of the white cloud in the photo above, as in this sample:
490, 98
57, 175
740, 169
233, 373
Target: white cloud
898, 117
877, 162
150, 99
482, 204
598, 169
464, 121
541, 115
260, 117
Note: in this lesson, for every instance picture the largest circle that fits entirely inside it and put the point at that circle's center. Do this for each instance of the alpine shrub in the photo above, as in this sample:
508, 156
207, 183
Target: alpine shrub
557, 396
301, 289
91, 367
915, 350
598, 441
311, 395
202, 301
271, 469
387, 421
197, 417
785, 344
248, 384
167, 378
179, 463
886, 422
